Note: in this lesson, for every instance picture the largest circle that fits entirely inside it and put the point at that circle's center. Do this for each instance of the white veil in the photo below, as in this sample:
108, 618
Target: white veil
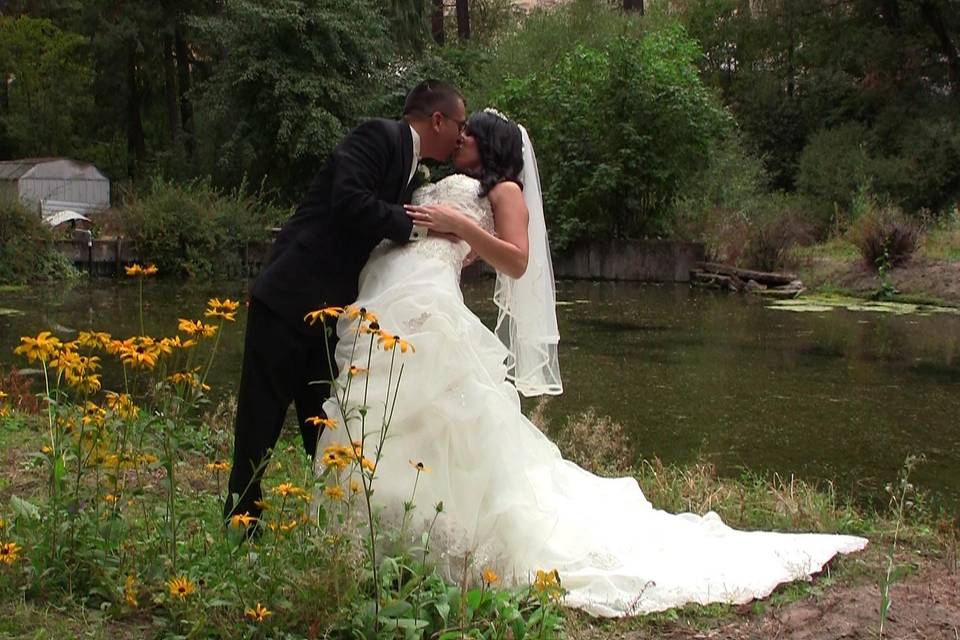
527, 313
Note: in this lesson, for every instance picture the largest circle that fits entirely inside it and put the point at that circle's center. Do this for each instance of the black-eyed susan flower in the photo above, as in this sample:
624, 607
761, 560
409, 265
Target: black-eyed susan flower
9, 552
196, 328
226, 309
242, 521
489, 576
93, 339
420, 467
388, 342
337, 456
548, 583
218, 465
122, 405
287, 489
258, 614
130, 591
180, 587
322, 314
317, 421
353, 312
355, 371
355, 487
334, 492
138, 271
42, 348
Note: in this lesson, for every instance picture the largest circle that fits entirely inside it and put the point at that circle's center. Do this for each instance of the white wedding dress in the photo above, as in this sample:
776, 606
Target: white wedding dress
509, 498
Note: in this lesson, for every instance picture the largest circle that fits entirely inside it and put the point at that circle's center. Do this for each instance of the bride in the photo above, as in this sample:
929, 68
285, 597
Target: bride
510, 502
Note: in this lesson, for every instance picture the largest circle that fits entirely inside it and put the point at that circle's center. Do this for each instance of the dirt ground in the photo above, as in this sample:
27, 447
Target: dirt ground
920, 276
925, 606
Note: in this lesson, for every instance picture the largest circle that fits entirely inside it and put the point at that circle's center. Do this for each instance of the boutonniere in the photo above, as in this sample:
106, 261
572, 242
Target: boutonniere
423, 171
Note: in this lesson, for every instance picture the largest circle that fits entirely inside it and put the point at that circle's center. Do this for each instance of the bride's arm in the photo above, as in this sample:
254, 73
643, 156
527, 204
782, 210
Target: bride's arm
507, 250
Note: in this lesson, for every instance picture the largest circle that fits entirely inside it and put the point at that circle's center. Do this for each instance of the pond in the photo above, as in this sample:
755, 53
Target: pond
834, 395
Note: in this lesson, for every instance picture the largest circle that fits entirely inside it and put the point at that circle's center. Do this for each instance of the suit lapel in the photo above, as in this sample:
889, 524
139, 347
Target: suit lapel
406, 157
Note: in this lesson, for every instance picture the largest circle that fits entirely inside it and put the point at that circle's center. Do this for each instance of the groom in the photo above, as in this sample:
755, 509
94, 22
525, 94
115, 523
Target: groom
355, 202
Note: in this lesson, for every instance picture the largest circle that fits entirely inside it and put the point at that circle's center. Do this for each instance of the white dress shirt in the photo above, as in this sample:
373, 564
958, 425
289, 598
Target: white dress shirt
418, 232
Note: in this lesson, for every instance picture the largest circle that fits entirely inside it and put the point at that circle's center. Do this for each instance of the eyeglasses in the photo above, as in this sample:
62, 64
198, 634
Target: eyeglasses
461, 124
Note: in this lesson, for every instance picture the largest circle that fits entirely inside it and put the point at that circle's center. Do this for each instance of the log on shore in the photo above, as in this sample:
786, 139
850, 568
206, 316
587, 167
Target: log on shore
762, 277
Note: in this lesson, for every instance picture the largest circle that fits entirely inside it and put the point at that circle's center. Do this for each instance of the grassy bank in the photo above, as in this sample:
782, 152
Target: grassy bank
309, 581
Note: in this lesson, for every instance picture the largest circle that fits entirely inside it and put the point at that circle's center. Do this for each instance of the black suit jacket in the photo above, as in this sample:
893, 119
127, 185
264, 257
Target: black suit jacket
354, 203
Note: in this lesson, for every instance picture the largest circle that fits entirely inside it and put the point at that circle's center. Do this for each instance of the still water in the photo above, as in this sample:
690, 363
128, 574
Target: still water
841, 396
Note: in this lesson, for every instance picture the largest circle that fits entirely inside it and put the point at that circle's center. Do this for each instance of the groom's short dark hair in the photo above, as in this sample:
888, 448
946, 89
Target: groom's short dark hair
430, 96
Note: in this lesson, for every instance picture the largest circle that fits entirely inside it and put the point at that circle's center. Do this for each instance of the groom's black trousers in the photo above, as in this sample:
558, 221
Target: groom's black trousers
279, 363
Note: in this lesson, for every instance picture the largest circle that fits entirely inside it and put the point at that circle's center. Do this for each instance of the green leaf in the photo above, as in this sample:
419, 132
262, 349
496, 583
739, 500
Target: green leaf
24, 509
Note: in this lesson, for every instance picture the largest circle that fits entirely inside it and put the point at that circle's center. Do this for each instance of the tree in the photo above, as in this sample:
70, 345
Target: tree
295, 74
463, 20
436, 21
47, 75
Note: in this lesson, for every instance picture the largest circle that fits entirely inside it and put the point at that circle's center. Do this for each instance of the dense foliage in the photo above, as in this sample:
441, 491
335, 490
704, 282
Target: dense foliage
635, 116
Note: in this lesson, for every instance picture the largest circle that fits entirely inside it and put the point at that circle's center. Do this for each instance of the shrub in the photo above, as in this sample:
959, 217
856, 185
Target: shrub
714, 208
27, 252
620, 129
832, 167
192, 229
885, 237
776, 227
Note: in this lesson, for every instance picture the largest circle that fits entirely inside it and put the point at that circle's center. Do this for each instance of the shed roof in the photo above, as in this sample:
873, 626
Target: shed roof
53, 168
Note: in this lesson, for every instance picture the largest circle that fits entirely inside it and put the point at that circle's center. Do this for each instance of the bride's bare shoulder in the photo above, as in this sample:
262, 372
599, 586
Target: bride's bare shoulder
505, 192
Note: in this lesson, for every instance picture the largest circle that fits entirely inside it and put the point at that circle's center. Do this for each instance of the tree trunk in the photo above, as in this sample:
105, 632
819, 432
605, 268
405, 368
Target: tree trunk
436, 22
136, 145
633, 5
463, 20
170, 88
183, 75
933, 16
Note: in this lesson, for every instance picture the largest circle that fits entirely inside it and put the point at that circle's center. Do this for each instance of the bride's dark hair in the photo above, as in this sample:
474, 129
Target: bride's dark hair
500, 145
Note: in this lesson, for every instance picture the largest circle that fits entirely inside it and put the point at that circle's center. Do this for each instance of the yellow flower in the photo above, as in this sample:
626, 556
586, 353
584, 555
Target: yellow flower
355, 371
420, 467
122, 405
135, 270
190, 379
355, 487
336, 455
262, 504
320, 314
489, 576
42, 348
94, 415
111, 498
288, 489
373, 327
196, 328
130, 591
93, 339
226, 309
244, 520
258, 614
353, 312
180, 587
221, 465
389, 341
548, 583
9, 551
334, 492
176, 343
317, 421
3, 523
